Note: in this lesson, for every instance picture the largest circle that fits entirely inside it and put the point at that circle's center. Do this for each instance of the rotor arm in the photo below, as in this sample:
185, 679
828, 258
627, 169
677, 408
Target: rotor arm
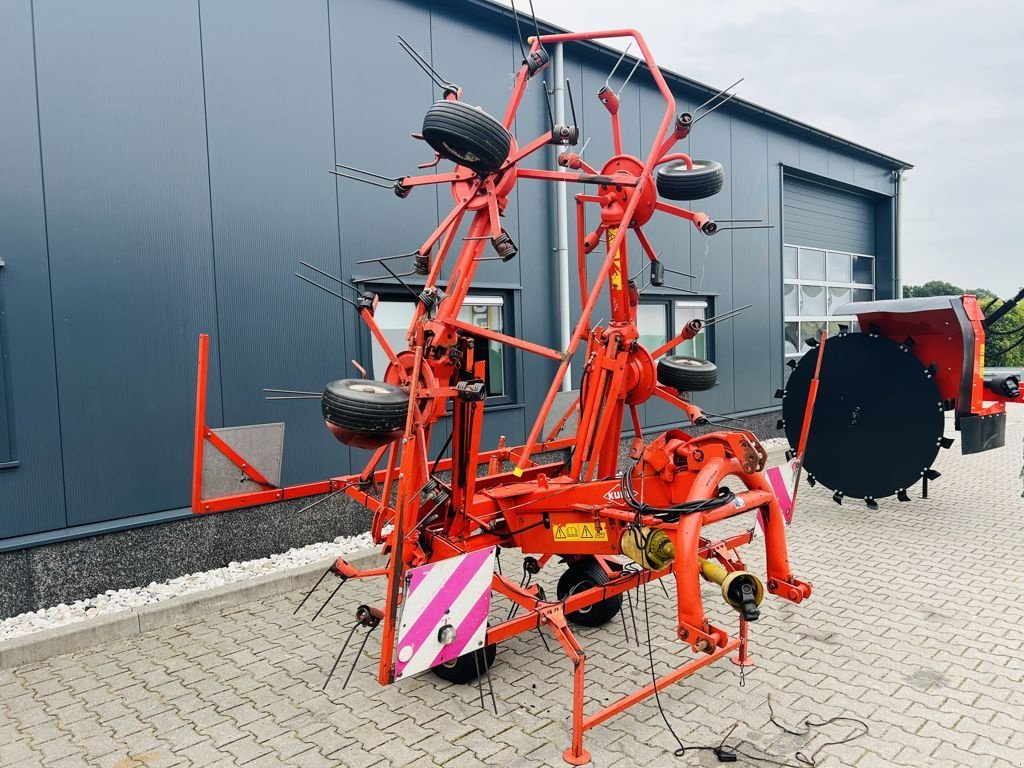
701, 221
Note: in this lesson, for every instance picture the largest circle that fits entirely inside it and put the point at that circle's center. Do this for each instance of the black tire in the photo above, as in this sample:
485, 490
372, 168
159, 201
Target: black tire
364, 406
675, 182
687, 374
467, 136
584, 575
464, 669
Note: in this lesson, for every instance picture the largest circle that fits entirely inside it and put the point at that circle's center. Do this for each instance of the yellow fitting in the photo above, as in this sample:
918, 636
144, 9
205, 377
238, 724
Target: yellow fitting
732, 583
650, 548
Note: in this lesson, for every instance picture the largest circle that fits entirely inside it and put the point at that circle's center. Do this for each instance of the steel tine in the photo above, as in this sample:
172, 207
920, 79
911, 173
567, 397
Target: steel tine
367, 173
678, 272
386, 258
329, 276
628, 77
727, 88
325, 498
722, 103
399, 279
726, 315
422, 63
335, 294
293, 397
663, 587
490, 685
359, 654
291, 391
365, 181
608, 79
632, 616
318, 583
315, 615
479, 681
543, 638
340, 654
625, 632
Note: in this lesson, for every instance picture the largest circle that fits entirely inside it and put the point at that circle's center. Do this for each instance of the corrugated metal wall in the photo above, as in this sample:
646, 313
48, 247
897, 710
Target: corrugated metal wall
825, 217
165, 166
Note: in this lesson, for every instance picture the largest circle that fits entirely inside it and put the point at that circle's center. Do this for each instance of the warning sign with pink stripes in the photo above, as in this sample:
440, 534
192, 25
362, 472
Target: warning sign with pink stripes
444, 611
783, 482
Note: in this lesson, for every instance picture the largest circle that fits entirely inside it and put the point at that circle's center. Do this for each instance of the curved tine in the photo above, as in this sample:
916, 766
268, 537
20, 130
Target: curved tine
519, 31
367, 173
318, 583
340, 654
364, 181
722, 103
328, 275
327, 290
727, 88
608, 79
628, 78
422, 63
387, 258
320, 610
359, 655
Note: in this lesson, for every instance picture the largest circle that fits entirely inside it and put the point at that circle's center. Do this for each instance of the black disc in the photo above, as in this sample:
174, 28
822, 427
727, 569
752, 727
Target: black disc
878, 416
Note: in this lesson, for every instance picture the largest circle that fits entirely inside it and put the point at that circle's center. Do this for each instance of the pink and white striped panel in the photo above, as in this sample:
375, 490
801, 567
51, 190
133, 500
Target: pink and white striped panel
783, 482
453, 593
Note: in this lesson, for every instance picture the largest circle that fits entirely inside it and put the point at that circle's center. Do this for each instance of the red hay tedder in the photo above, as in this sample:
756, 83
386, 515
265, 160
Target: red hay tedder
441, 521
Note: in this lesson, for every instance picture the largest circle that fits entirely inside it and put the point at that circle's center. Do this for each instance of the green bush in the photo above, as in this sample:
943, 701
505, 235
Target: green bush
1004, 341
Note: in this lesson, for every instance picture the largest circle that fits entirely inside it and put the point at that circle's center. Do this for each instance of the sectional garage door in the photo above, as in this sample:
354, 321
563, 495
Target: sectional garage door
828, 258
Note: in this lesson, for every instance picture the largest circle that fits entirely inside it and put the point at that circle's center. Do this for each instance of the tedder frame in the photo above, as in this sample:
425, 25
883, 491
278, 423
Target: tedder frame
575, 509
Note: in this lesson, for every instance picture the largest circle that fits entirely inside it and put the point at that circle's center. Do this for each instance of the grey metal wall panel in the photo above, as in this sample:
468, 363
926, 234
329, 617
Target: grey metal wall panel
669, 236
752, 254
271, 135
31, 494
127, 195
6, 403
531, 214
827, 217
712, 257
130, 182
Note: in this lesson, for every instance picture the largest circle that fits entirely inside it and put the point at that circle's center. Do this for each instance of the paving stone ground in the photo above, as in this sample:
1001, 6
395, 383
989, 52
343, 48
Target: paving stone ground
916, 627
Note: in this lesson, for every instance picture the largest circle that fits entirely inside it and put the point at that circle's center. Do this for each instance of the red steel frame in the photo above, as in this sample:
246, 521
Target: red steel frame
523, 507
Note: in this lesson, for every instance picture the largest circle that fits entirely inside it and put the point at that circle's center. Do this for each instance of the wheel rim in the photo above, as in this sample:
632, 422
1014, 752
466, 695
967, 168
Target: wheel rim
373, 389
583, 586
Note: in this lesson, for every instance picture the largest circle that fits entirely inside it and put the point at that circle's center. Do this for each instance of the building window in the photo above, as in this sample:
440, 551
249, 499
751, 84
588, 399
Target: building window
659, 319
393, 315
815, 282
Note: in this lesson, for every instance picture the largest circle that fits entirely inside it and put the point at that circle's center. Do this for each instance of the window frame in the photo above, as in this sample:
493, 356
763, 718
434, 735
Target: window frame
826, 284
391, 294
668, 301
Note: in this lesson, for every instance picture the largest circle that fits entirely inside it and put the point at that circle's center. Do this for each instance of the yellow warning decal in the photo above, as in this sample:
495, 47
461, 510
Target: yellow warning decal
616, 273
580, 532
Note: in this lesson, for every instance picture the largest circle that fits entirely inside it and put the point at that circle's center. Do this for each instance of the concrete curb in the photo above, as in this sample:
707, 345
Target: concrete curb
39, 646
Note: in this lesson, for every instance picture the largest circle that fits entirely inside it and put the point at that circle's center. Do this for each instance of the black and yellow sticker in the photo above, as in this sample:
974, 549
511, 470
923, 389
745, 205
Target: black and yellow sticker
580, 532
616, 275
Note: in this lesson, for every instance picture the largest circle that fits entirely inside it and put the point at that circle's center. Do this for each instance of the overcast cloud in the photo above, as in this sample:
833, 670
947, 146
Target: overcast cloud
937, 84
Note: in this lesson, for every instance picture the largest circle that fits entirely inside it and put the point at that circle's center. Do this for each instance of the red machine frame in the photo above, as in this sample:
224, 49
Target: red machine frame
525, 505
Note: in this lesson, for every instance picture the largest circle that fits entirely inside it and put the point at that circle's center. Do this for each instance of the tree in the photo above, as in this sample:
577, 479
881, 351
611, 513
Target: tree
1004, 341
931, 288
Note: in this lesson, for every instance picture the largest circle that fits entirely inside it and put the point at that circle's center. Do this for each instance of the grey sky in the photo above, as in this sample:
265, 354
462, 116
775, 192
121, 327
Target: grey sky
937, 84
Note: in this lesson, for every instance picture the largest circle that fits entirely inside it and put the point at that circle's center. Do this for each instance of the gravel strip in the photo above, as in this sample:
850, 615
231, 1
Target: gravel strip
113, 600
